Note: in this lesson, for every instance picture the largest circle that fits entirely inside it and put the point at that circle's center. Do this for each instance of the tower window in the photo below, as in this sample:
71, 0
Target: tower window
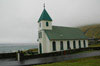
47, 24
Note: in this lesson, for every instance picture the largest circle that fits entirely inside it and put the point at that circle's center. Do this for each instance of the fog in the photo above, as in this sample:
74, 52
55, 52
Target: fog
18, 18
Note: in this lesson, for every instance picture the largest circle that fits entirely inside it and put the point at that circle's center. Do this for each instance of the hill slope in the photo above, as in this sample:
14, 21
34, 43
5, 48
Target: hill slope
92, 31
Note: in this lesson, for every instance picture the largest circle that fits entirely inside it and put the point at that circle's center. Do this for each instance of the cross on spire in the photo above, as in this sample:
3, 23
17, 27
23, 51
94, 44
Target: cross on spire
44, 5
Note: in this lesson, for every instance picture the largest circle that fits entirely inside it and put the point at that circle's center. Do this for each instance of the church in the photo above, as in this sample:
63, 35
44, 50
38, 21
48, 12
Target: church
58, 38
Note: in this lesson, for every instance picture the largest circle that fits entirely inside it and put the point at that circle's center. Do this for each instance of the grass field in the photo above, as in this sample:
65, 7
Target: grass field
91, 61
91, 30
94, 45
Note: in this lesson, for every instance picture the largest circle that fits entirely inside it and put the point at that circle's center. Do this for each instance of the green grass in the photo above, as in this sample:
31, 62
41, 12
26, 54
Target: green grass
36, 50
91, 61
94, 45
33, 50
91, 30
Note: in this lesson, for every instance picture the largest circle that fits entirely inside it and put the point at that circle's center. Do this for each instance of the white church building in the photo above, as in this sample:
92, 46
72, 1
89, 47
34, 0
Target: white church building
58, 38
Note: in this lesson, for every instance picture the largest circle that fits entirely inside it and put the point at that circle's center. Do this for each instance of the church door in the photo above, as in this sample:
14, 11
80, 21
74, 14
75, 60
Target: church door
40, 46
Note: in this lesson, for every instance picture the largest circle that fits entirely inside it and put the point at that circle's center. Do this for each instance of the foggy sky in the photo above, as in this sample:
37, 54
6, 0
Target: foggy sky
18, 18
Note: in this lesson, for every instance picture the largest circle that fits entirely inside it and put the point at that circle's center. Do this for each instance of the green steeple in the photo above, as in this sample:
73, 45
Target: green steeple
45, 16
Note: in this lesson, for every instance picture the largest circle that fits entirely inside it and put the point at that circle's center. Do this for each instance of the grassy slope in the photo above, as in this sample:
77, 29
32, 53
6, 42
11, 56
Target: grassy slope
91, 30
91, 61
94, 45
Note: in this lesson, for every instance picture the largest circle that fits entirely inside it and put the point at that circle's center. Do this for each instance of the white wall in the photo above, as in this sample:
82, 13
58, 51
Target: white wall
86, 43
43, 25
44, 40
65, 44
71, 44
77, 44
47, 45
46, 48
82, 44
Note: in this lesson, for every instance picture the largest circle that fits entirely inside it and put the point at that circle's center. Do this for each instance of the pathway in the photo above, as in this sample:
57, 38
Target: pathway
12, 62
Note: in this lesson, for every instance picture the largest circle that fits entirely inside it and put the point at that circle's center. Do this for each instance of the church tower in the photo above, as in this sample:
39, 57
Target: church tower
44, 23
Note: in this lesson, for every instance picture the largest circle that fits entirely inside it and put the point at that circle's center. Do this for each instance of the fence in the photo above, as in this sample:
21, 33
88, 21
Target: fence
7, 55
65, 52
22, 57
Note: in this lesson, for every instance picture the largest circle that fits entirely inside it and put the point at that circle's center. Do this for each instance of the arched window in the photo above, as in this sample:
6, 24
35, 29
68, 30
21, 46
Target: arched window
84, 44
54, 46
68, 45
47, 24
40, 48
74, 45
79, 44
61, 45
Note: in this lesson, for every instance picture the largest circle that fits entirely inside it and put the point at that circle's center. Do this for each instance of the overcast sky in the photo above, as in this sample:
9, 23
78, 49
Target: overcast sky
18, 18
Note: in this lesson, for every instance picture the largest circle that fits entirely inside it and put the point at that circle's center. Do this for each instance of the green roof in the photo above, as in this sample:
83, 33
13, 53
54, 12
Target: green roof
45, 16
65, 33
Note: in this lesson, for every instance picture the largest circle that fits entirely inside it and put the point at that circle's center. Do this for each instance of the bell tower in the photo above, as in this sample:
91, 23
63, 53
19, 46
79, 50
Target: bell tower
44, 23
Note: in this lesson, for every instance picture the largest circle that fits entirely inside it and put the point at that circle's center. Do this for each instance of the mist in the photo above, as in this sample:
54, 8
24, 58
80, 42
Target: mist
18, 18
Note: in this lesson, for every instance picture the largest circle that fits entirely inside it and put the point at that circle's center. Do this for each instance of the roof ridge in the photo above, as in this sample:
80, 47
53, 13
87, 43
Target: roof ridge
64, 26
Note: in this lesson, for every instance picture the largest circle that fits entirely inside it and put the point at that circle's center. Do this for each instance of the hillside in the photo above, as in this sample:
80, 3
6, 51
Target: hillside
92, 31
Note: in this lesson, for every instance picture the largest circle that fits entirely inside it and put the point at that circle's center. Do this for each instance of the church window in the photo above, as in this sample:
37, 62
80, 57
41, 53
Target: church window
74, 44
79, 44
47, 24
84, 44
68, 45
61, 45
54, 46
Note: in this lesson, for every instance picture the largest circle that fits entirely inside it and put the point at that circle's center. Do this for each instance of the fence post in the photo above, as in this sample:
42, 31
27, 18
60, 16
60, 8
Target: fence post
18, 55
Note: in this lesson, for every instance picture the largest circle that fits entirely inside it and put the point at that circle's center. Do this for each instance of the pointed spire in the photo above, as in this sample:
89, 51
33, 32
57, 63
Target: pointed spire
45, 15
